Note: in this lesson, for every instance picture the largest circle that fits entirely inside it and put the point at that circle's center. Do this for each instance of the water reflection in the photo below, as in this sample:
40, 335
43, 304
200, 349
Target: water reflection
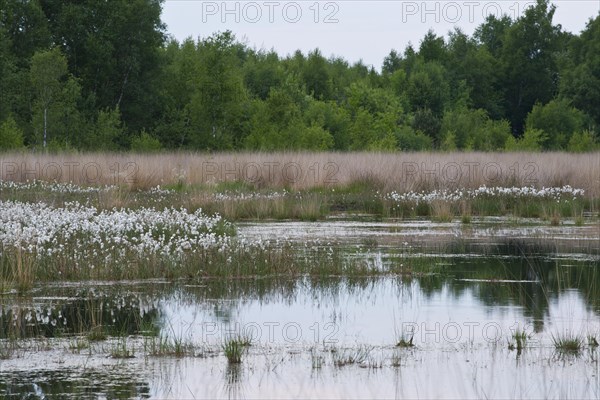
508, 290
72, 384
78, 311
233, 381
461, 310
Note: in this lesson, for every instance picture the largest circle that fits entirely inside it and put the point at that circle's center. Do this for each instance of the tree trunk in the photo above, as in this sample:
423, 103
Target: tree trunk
45, 124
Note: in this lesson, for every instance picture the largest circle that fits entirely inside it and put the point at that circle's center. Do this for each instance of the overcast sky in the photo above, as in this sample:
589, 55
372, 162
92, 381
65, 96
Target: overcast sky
353, 29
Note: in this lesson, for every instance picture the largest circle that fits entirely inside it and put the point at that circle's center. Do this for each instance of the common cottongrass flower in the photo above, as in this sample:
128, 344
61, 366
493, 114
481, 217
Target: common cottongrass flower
77, 236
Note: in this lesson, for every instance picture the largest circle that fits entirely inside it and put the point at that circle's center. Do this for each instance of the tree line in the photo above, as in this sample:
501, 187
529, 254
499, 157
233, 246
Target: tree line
92, 75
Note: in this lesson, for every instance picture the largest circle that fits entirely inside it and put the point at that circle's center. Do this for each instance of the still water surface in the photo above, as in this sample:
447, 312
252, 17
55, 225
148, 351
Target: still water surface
303, 331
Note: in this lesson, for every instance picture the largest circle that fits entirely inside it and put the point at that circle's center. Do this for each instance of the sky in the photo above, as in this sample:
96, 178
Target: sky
353, 29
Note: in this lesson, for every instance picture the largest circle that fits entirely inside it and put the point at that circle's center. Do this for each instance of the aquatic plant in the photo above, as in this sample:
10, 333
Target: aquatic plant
406, 342
567, 343
234, 349
555, 193
519, 341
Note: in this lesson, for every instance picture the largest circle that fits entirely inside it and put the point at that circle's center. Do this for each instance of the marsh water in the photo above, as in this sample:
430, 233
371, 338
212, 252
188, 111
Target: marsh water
326, 336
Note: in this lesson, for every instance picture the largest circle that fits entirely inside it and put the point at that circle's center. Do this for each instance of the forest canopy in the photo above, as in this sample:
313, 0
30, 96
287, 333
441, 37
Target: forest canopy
92, 75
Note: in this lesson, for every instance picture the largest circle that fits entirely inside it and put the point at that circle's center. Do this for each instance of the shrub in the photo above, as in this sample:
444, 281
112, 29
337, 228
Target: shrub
11, 137
145, 143
532, 140
582, 141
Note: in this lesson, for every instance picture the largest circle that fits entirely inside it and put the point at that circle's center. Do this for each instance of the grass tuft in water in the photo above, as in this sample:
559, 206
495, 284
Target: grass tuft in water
519, 341
567, 343
121, 349
78, 344
317, 359
165, 347
406, 342
356, 355
234, 348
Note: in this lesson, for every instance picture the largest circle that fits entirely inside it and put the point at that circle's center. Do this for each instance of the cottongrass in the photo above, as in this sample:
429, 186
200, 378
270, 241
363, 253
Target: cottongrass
46, 230
65, 240
58, 187
39, 242
528, 201
554, 193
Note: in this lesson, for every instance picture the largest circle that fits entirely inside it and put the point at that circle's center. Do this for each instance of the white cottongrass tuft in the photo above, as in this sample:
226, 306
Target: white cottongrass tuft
86, 232
554, 193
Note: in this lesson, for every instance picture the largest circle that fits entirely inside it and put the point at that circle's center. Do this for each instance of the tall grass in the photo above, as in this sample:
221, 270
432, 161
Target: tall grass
302, 170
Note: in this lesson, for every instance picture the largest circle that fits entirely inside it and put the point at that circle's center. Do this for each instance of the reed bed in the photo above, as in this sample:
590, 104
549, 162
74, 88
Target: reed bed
402, 172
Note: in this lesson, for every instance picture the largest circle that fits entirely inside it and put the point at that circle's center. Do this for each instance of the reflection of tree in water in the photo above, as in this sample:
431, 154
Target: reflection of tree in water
128, 311
539, 279
74, 384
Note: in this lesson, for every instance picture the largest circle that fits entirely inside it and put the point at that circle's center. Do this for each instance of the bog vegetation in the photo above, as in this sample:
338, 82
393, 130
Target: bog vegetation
70, 81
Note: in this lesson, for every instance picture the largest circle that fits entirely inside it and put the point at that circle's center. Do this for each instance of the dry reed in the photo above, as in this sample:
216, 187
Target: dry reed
302, 170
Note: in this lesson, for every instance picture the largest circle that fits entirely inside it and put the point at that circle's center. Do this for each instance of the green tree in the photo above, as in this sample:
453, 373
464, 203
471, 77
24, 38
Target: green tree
391, 63
48, 70
528, 57
582, 142
145, 143
11, 137
411, 140
333, 118
373, 132
492, 34
7, 75
432, 48
428, 88
423, 120
27, 29
262, 72
581, 77
475, 65
113, 47
277, 123
558, 120
532, 140
106, 131
315, 75
181, 72
216, 107
467, 129
314, 138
